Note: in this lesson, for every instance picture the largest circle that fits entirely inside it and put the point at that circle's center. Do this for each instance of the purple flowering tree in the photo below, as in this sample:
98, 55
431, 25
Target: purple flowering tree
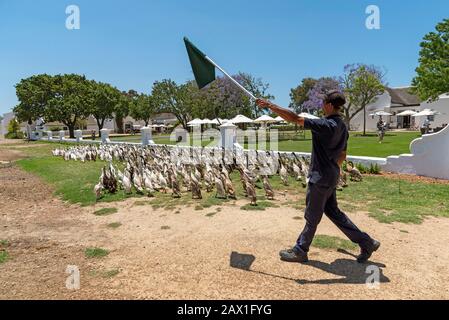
323, 85
225, 99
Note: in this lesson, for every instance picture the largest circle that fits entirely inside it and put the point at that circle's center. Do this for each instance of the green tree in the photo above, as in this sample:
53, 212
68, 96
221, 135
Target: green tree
33, 94
64, 98
70, 101
258, 88
122, 108
432, 74
103, 99
300, 94
177, 99
362, 85
143, 108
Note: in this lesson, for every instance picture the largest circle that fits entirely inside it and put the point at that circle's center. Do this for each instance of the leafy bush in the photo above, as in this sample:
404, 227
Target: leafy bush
14, 130
362, 168
14, 135
372, 169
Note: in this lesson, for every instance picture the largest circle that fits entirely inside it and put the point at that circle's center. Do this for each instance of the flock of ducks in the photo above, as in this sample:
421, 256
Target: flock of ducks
160, 168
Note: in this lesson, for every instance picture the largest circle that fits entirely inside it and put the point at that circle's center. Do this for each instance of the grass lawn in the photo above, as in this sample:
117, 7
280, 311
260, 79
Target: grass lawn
96, 253
73, 181
3, 253
389, 200
385, 199
394, 143
329, 242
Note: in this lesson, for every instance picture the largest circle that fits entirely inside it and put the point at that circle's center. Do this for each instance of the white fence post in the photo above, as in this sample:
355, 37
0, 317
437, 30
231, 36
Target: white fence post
79, 135
49, 135
105, 135
146, 136
61, 135
228, 135
180, 135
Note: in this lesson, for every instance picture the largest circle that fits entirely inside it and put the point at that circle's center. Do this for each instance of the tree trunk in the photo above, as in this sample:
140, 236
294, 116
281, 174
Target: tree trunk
364, 120
347, 119
100, 124
30, 122
71, 130
119, 123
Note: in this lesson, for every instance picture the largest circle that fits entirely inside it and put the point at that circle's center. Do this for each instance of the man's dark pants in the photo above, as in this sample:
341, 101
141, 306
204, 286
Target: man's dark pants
321, 199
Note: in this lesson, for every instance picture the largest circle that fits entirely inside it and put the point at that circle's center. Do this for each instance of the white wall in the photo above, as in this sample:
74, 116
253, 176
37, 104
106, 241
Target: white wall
441, 105
382, 103
429, 157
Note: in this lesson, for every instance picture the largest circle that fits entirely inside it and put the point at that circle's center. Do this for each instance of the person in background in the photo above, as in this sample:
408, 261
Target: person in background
93, 134
426, 126
381, 126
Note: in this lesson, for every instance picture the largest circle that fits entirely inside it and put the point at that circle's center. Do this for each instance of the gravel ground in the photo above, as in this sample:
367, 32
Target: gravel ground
186, 254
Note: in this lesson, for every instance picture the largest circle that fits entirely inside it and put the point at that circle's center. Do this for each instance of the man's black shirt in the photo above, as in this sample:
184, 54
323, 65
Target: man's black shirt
329, 139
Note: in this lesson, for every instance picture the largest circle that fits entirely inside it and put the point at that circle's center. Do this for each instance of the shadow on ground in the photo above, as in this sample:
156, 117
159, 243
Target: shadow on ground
350, 271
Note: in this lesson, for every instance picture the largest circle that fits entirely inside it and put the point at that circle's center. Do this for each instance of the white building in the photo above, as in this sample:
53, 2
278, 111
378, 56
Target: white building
394, 101
442, 106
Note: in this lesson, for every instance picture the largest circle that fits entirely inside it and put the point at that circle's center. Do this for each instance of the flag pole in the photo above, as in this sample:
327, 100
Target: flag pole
231, 78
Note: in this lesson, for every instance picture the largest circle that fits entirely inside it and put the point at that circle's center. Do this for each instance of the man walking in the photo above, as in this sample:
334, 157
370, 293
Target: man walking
381, 126
329, 139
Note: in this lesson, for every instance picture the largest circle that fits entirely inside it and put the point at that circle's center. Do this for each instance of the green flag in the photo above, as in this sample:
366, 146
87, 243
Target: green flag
203, 70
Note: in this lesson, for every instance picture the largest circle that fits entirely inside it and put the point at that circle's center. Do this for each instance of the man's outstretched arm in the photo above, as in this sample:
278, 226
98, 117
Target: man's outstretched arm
285, 114
342, 158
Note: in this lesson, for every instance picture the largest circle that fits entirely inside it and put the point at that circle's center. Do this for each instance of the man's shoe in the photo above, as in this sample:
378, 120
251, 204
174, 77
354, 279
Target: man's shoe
293, 255
366, 253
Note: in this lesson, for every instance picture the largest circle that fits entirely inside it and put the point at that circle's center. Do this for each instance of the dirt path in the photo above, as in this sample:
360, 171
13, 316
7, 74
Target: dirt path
167, 255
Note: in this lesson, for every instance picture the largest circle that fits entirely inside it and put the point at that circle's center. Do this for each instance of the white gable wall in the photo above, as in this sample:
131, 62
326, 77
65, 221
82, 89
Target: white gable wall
441, 105
382, 103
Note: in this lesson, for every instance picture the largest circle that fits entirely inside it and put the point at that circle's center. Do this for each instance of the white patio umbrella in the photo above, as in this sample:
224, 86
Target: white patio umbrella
207, 121
425, 113
279, 119
381, 113
195, 122
218, 121
241, 119
307, 115
265, 119
407, 113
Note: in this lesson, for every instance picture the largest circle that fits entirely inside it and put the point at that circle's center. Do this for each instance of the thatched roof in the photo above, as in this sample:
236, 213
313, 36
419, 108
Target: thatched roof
403, 97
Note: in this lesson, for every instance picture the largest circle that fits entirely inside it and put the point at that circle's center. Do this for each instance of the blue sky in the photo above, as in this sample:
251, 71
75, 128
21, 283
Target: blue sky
130, 44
